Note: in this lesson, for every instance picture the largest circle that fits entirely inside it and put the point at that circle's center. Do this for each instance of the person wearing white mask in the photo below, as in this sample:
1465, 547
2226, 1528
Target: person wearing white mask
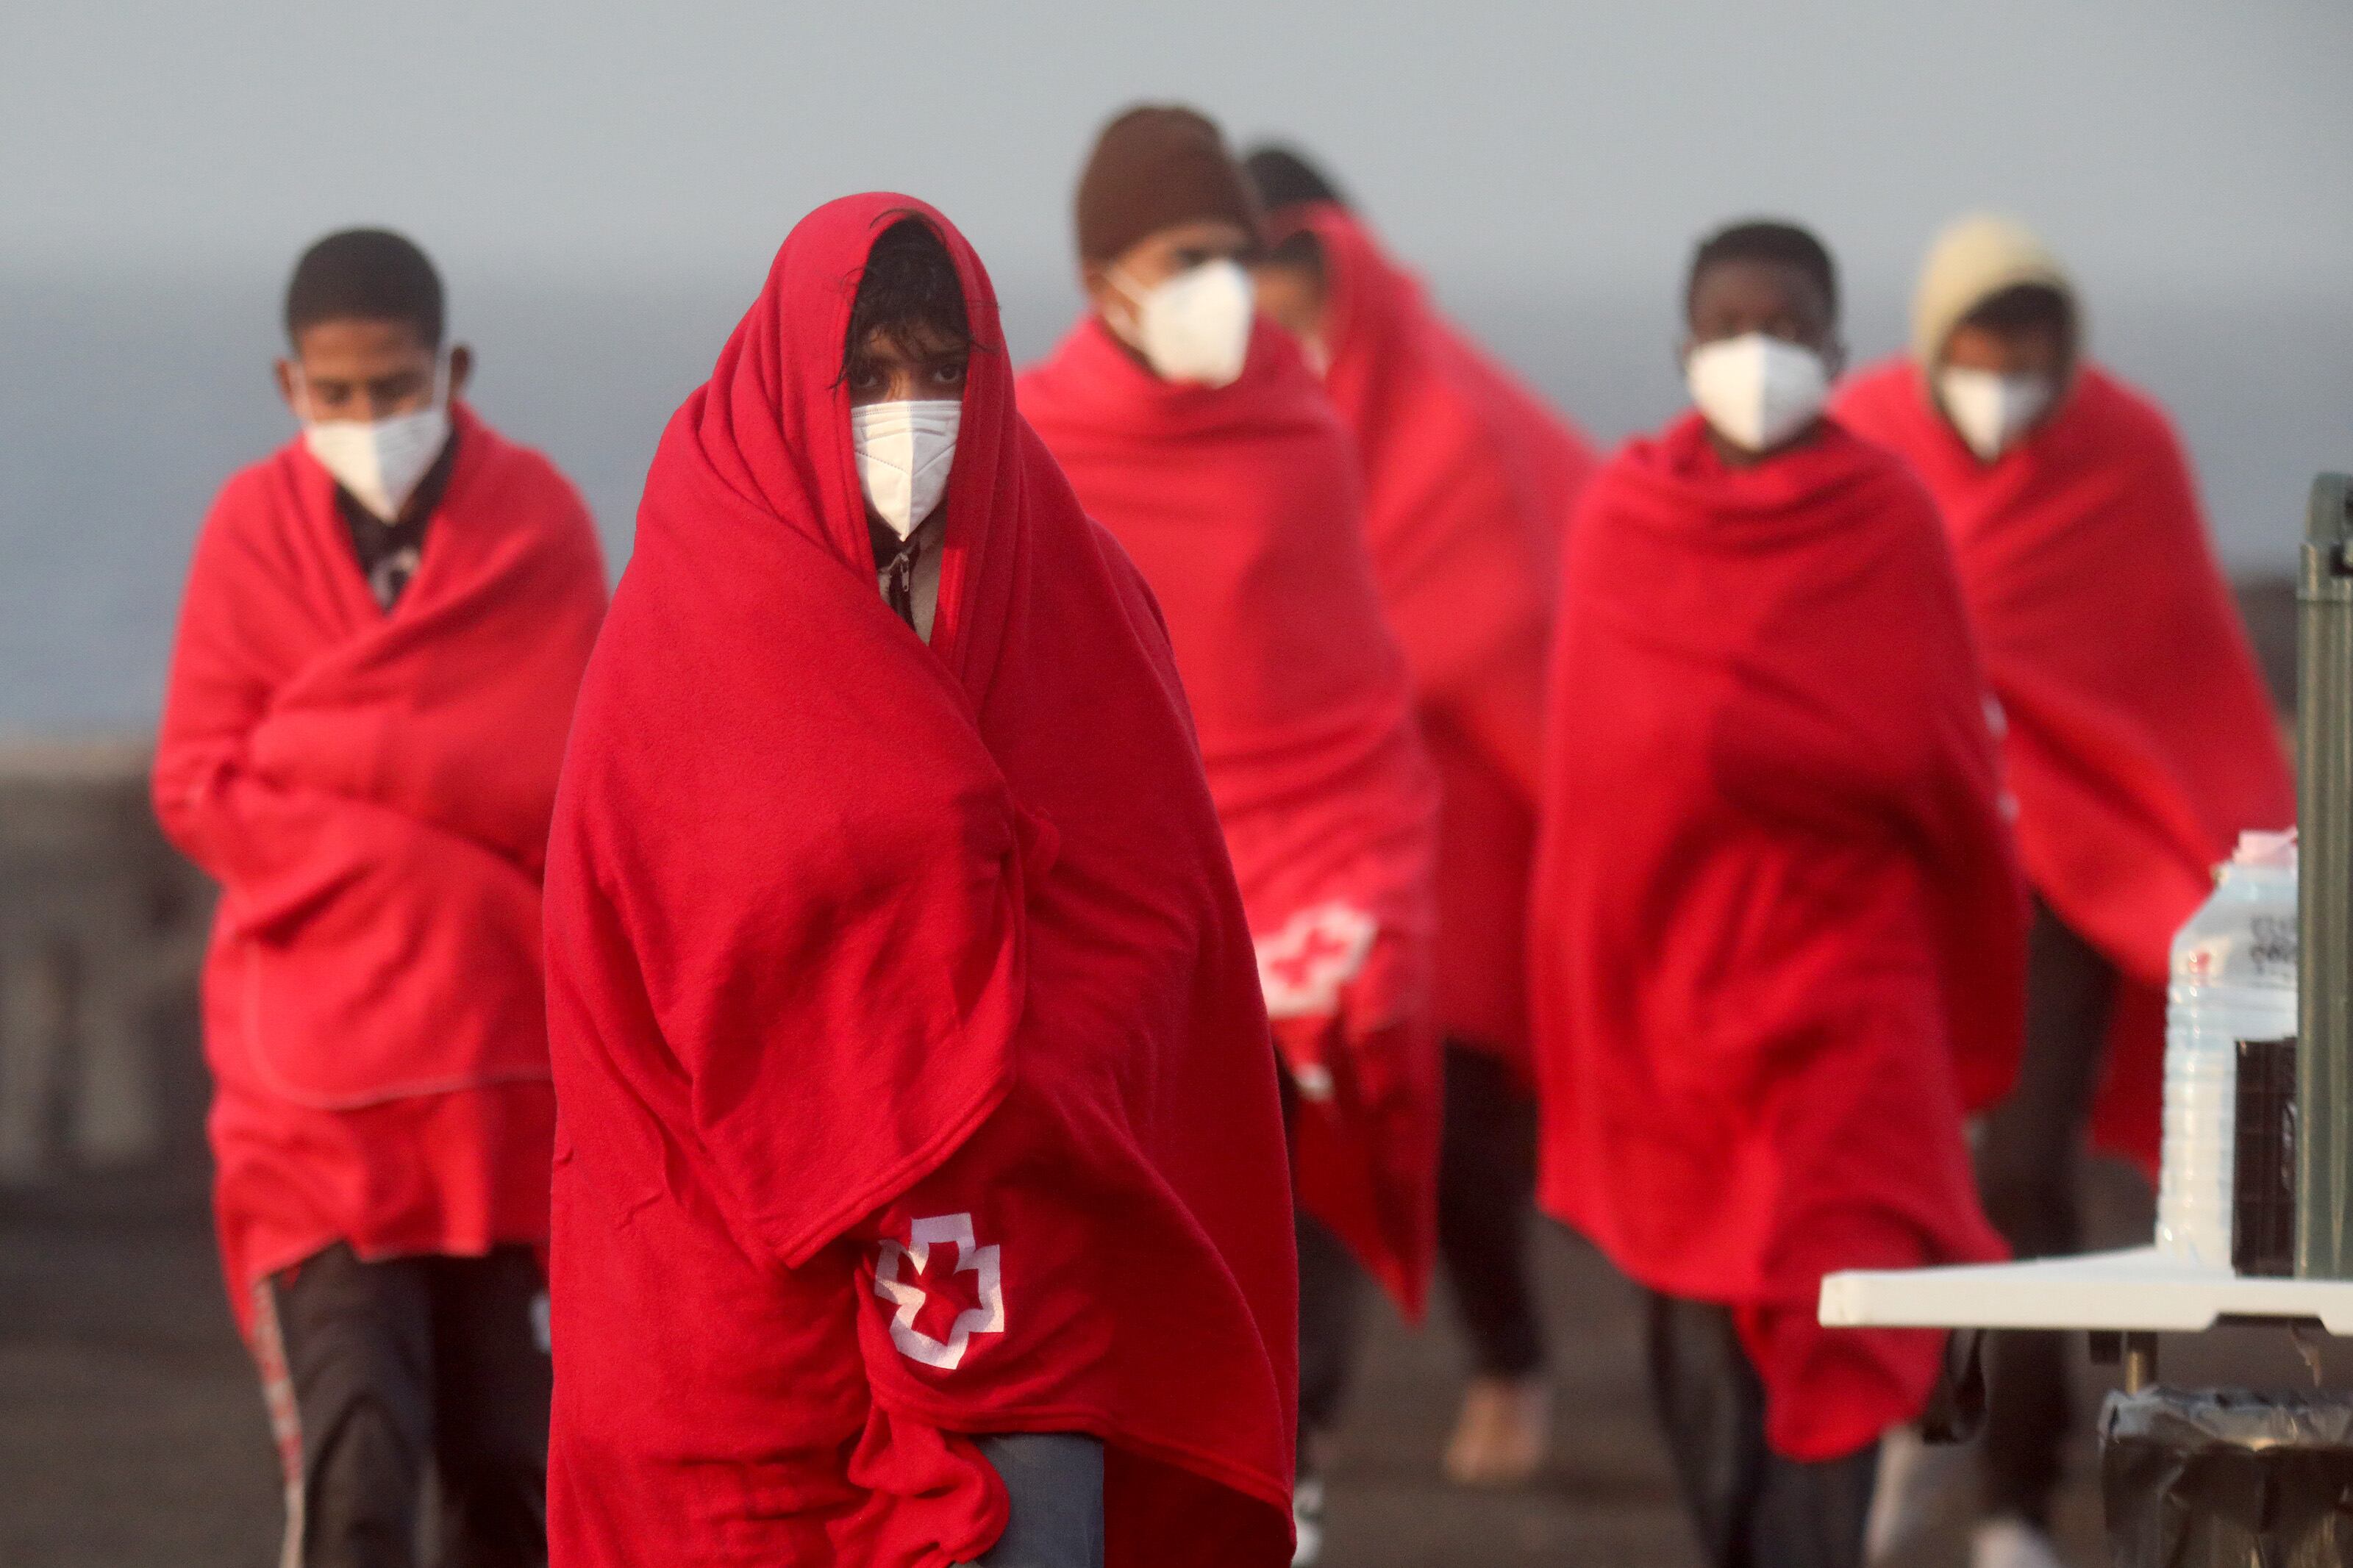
372, 396
1775, 952
383, 635
1763, 343
909, 918
1165, 224
2139, 741
1195, 431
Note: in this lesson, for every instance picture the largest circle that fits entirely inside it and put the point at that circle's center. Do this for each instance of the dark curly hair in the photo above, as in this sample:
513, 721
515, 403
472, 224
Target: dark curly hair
365, 274
910, 283
1765, 239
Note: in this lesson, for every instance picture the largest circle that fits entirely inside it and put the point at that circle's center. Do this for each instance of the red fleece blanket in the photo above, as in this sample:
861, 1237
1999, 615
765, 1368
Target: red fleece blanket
372, 791
1469, 479
2141, 740
1778, 942
1240, 506
914, 1076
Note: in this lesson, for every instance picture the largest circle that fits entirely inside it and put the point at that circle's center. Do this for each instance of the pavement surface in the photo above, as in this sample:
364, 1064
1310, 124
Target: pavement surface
131, 1433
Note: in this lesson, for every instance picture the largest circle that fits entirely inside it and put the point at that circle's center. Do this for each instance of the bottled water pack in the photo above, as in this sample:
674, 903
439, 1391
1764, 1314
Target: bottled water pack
2233, 979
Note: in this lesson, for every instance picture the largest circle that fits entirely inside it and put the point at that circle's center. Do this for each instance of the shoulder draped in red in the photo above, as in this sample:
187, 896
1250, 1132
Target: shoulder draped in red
1469, 481
1240, 505
1778, 944
2140, 741
372, 791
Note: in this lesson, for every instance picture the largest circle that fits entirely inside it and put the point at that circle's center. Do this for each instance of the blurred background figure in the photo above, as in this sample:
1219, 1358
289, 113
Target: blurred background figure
1777, 932
2138, 743
1469, 481
384, 627
1196, 434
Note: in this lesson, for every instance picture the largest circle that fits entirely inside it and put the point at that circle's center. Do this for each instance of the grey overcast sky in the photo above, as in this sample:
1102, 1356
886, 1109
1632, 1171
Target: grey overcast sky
603, 185
2166, 141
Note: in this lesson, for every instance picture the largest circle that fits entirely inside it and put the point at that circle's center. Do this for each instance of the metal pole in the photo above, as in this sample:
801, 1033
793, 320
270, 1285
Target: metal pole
2323, 724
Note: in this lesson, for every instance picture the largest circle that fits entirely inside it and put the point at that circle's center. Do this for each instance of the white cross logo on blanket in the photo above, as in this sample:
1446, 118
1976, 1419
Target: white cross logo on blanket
1302, 967
988, 1318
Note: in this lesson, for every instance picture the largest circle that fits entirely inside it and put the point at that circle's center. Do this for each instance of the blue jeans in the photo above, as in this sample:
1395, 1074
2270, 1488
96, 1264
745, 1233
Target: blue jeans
1054, 1496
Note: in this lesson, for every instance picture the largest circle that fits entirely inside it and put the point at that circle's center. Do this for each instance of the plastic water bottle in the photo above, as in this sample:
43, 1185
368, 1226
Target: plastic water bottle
2233, 979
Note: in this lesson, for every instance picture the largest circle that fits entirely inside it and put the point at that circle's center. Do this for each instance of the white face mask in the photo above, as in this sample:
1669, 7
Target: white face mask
1195, 326
380, 461
904, 451
1990, 410
1756, 390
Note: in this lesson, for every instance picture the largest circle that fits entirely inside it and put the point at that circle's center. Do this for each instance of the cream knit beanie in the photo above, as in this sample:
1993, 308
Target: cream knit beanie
1972, 260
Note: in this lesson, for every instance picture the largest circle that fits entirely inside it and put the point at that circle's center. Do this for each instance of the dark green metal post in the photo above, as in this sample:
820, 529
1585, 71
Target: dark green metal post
2324, 726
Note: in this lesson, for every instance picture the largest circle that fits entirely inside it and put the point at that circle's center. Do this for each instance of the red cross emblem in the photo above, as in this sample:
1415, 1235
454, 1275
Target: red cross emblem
1303, 966
898, 1266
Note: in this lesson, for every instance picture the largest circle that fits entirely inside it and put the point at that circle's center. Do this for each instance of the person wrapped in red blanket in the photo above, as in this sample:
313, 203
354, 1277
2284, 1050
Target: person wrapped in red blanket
1194, 430
1778, 929
2140, 740
1469, 481
384, 626
921, 1139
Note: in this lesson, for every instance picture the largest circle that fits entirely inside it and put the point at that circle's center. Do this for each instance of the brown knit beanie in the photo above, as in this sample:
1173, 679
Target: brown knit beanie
1155, 166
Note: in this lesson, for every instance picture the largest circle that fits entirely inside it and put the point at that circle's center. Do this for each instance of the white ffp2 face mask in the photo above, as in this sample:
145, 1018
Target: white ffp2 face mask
904, 453
1756, 390
1195, 326
1991, 411
380, 461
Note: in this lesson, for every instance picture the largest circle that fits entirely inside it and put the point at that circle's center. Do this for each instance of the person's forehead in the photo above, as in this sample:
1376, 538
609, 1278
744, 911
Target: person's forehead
2033, 329
1203, 234
910, 340
360, 339
1748, 278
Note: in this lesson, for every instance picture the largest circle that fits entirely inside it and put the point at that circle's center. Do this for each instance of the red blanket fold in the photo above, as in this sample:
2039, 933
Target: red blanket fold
1779, 939
914, 1078
2141, 741
1469, 479
373, 793
1240, 506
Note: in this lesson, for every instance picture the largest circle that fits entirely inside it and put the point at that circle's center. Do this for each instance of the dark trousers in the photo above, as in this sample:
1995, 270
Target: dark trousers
2029, 1158
1331, 1309
1054, 1499
1486, 1202
382, 1368
1753, 1508
1331, 1327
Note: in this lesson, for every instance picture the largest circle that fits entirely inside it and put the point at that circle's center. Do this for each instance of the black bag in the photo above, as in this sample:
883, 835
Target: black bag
2228, 1479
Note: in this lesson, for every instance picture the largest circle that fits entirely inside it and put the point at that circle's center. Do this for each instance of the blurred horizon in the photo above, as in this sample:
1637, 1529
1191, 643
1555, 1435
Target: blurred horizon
603, 187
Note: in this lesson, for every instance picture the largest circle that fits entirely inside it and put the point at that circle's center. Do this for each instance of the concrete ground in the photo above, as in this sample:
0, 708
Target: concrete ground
131, 1435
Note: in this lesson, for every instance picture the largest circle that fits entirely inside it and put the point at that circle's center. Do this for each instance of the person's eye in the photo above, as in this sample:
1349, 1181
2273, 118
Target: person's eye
865, 378
948, 375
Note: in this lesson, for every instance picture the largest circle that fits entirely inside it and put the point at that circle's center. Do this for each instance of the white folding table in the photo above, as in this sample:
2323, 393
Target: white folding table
2126, 1299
